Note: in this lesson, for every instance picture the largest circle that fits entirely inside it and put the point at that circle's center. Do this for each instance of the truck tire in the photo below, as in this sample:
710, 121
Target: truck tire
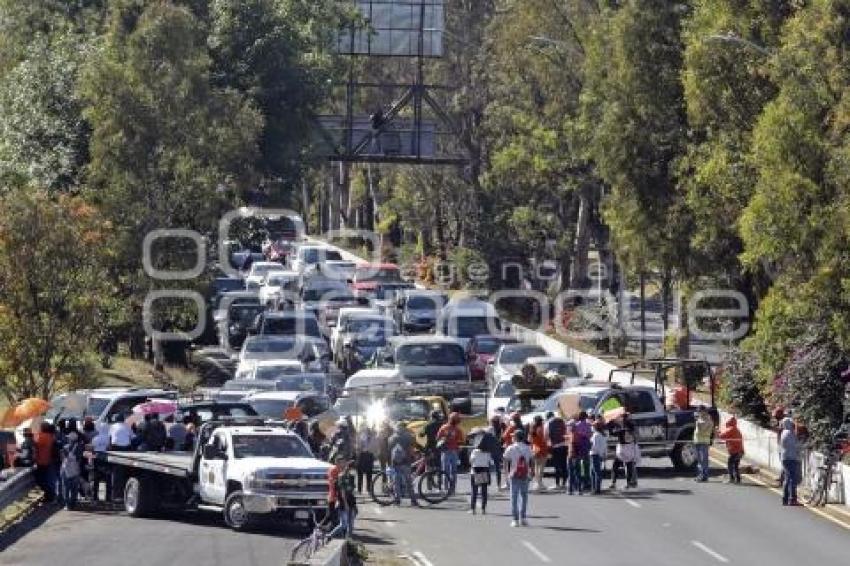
684, 454
138, 497
235, 514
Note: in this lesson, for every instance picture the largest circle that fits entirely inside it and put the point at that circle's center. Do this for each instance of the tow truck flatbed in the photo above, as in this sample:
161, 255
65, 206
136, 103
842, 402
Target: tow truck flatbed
178, 464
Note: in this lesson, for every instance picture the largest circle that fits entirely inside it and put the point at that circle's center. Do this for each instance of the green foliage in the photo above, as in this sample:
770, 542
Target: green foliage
54, 253
741, 389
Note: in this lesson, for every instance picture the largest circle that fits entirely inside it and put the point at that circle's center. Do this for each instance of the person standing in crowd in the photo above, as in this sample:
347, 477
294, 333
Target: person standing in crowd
341, 441
556, 438
735, 449
429, 432
401, 458
598, 454
582, 432
481, 460
703, 432
540, 450
515, 425
627, 454
71, 468
452, 438
316, 439
517, 461
496, 429
25, 457
191, 434
120, 440
89, 430
155, 434
790, 453
346, 502
367, 442
100, 469
384, 436
175, 432
46, 461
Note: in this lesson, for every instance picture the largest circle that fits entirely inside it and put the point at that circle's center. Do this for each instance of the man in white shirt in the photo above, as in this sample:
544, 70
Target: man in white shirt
120, 435
518, 460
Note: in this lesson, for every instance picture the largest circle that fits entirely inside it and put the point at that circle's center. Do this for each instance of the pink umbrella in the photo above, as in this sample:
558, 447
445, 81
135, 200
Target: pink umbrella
161, 407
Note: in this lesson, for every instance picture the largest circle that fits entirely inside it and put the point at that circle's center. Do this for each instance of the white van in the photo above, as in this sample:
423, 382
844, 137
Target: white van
464, 319
367, 379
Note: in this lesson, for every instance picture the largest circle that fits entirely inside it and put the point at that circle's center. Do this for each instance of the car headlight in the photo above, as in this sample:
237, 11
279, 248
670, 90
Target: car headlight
233, 329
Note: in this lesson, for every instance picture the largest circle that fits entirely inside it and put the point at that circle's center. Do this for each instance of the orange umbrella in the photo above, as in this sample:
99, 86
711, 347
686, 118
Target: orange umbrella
8, 418
29, 408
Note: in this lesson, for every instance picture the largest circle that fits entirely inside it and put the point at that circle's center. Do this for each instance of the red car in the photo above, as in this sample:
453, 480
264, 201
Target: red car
369, 276
481, 350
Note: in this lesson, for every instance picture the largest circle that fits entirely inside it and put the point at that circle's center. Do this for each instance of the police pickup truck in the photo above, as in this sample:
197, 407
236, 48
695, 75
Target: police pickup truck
661, 431
243, 468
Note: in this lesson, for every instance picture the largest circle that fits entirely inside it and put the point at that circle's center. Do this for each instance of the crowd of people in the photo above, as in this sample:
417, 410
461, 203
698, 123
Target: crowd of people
69, 457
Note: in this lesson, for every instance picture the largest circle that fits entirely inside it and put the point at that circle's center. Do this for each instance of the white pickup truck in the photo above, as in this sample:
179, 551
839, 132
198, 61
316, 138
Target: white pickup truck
242, 468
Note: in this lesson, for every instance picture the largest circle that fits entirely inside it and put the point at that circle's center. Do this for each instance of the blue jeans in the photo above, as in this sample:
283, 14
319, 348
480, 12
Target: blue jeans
450, 462
702, 461
519, 490
346, 523
70, 489
790, 469
576, 483
403, 483
595, 473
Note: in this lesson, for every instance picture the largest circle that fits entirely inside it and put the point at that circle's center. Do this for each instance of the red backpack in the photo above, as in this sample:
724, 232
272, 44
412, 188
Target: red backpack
521, 471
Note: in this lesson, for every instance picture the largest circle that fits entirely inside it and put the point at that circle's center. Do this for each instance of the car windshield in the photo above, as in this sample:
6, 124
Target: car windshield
469, 326
247, 385
425, 303
327, 294
567, 369
276, 372
487, 346
408, 410
301, 383
369, 326
292, 325
244, 314
377, 274
272, 408
95, 407
431, 355
315, 255
275, 346
504, 389
257, 446
526, 403
278, 280
346, 406
584, 401
518, 354
263, 268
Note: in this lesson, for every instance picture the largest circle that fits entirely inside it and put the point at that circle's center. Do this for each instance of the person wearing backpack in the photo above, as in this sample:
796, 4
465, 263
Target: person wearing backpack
518, 460
71, 468
401, 448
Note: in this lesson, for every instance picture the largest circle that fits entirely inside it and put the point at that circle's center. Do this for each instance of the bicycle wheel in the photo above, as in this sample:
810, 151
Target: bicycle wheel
382, 489
303, 551
434, 486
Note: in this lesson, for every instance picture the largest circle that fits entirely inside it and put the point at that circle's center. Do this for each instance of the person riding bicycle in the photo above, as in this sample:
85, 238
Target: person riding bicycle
451, 437
401, 457
429, 432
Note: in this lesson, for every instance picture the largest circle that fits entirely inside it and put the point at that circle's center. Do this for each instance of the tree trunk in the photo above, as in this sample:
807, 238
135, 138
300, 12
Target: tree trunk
579, 268
333, 199
683, 343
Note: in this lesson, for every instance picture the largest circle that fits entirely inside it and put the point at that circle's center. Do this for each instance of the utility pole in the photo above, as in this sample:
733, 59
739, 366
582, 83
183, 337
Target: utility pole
642, 314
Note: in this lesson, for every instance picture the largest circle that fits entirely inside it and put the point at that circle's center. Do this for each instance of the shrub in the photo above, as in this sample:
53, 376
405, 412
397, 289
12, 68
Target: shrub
741, 389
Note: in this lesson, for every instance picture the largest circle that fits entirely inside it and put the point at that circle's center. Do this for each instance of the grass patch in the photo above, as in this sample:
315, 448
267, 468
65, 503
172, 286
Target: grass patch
13, 513
127, 372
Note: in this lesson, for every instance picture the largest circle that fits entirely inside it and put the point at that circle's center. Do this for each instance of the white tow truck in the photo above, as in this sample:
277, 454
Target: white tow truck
243, 468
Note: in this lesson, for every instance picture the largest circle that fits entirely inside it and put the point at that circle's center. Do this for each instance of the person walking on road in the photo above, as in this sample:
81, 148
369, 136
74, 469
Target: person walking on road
579, 454
47, 461
790, 452
627, 454
703, 432
518, 460
496, 429
515, 425
556, 437
598, 454
343, 494
452, 438
735, 448
480, 461
367, 445
540, 449
71, 469
429, 433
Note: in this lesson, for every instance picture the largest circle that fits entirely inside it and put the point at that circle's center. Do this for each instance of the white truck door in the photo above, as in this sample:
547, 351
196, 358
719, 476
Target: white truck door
213, 471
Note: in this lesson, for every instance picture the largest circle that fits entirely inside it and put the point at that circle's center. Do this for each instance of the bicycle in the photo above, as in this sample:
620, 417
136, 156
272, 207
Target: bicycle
306, 548
824, 475
431, 483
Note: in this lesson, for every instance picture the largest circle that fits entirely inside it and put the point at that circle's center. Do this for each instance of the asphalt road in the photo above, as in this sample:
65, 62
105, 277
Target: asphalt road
667, 520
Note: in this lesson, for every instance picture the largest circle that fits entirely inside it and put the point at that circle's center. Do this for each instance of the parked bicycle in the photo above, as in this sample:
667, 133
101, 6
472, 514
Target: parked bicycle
319, 537
825, 475
430, 481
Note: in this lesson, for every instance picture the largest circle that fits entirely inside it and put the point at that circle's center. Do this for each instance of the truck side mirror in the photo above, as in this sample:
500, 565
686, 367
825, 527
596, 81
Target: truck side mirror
213, 452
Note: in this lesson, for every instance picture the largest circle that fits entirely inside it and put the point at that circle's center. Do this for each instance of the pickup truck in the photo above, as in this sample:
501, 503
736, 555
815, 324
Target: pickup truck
242, 468
661, 432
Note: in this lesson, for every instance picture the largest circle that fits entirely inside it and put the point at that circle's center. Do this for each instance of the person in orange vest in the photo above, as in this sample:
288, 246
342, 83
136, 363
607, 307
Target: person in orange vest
516, 424
540, 449
735, 447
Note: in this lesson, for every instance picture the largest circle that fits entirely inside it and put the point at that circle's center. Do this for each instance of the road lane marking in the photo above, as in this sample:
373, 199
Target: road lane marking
814, 510
533, 550
378, 510
422, 559
632, 502
716, 555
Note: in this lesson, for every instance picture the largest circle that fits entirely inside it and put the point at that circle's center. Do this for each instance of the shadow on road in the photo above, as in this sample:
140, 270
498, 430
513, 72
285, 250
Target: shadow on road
32, 521
568, 529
